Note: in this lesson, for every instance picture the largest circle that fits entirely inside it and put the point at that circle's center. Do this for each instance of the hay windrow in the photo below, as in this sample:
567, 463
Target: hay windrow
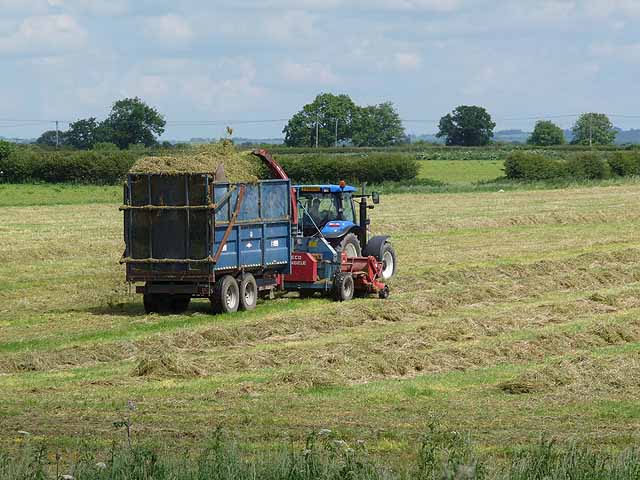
238, 166
166, 365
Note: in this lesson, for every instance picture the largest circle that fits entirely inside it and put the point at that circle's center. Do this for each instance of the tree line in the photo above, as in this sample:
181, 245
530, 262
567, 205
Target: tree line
130, 122
330, 120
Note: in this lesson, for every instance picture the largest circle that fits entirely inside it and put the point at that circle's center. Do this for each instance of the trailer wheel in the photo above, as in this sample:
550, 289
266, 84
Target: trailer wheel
248, 292
157, 303
150, 303
388, 259
180, 303
343, 287
226, 295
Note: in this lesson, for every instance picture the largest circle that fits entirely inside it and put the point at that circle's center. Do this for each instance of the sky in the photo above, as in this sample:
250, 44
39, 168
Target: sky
260, 61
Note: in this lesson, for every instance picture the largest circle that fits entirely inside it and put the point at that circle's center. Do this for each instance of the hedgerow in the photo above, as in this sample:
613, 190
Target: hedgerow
34, 165
371, 168
110, 166
594, 165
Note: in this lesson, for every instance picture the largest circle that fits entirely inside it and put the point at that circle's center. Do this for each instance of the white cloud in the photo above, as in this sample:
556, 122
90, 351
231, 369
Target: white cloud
292, 25
481, 82
606, 8
629, 52
408, 61
45, 34
168, 29
430, 5
95, 7
313, 73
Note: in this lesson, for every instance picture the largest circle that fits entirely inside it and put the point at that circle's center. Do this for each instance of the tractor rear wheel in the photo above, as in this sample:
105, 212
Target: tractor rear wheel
226, 295
343, 287
349, 245
248, 292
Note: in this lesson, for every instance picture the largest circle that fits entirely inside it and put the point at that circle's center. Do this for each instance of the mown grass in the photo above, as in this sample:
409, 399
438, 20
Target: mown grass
514, 316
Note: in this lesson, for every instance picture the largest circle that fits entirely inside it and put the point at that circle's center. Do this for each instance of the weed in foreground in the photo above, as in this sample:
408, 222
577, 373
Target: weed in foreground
442, 455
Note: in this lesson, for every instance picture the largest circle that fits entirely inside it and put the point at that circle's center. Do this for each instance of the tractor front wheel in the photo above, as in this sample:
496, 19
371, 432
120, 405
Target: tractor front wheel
343, 287
388, 259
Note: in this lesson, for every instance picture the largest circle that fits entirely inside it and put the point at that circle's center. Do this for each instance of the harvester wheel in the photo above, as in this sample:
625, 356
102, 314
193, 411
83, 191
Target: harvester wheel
343, 287
226, 295
248, 292
349, 245
388, 259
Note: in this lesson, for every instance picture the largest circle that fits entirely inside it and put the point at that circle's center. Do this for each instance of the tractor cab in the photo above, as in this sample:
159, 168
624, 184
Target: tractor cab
329, 211
326, 208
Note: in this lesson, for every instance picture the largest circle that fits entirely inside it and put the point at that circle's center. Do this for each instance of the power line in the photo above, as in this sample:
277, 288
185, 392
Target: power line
17, 122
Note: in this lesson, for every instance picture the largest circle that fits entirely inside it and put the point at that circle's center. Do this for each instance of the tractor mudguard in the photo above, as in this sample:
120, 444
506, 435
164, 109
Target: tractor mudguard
374, 246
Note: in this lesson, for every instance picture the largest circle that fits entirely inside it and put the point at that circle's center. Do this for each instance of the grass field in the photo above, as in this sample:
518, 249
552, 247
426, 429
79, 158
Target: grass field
461, 171
513, 316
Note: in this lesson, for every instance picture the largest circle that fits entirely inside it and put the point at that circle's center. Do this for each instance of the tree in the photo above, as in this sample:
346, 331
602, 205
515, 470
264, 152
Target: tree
546, 133
377, 126
6, 149
469, 126
48, 138
593, 129
84, 134
321, 115
131, 122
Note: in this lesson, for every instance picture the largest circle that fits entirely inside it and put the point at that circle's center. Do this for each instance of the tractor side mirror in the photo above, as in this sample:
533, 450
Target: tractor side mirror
375, 197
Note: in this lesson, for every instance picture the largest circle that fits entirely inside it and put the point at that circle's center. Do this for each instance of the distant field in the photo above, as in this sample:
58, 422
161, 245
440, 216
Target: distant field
26, 195
461, 171
513, 315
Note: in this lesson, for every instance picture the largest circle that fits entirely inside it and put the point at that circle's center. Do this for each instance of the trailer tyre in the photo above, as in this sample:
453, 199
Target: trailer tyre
180, 303
343, 287
226, 295
248, 292
150, 303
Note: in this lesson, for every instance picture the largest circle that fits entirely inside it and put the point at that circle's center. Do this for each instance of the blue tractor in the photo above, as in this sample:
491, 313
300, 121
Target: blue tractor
330, 211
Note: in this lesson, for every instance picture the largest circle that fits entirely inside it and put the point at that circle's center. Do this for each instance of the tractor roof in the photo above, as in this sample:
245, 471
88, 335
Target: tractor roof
324, 188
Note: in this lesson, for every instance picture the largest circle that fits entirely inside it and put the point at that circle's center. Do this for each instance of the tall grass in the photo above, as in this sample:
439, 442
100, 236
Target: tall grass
441, 454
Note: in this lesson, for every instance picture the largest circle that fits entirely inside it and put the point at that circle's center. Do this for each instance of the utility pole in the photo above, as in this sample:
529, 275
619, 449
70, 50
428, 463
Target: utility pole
336, 133
317, 127
590, 130
57, 134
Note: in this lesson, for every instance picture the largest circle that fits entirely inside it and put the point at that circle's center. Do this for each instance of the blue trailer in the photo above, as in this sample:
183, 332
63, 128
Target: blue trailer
189, 236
